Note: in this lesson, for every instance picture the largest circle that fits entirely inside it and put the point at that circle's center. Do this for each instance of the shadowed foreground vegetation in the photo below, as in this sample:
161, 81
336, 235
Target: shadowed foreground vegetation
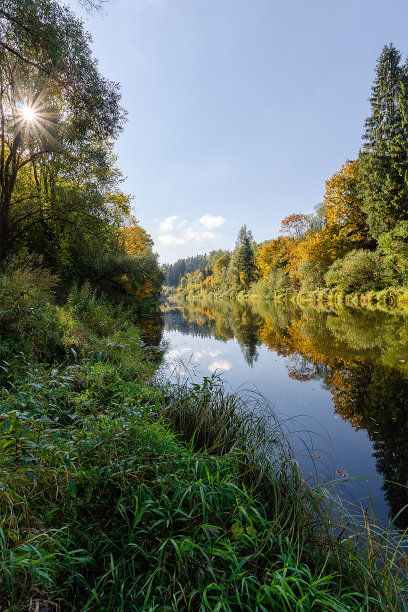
119, 492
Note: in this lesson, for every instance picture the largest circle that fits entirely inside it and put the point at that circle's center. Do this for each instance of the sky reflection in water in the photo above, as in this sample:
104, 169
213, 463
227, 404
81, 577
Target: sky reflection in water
341, 377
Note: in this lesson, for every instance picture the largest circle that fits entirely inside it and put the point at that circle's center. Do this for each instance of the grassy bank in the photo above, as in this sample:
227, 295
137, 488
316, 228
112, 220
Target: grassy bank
120, 492
392, 298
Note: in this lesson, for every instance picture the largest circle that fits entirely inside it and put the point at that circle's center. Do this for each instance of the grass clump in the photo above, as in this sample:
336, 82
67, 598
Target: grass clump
120, 493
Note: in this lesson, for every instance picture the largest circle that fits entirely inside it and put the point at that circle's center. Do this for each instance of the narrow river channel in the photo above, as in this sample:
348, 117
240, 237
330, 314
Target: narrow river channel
338, 378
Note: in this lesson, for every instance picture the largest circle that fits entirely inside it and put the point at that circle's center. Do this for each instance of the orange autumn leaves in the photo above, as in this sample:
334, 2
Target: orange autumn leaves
300, 257
343, 228
134, 239
136, 242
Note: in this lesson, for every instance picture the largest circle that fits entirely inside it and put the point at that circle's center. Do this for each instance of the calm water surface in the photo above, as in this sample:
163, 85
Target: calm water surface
340, 376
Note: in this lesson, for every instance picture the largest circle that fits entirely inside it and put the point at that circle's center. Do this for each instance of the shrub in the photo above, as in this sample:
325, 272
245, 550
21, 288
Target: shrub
277, 283
359, 270
93, 311
312, 275
27, 313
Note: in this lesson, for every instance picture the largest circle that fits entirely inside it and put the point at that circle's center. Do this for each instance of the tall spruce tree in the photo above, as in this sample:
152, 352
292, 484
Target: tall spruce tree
243, 259
383, 162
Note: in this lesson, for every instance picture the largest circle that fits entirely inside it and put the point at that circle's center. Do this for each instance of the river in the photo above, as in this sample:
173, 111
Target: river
337, 378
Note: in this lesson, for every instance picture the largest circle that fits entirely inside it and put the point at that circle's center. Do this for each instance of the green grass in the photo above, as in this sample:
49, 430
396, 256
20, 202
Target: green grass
118, 492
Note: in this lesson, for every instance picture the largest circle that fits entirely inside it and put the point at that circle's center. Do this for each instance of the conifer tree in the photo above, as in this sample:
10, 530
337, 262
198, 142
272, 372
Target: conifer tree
383, 163
243, 260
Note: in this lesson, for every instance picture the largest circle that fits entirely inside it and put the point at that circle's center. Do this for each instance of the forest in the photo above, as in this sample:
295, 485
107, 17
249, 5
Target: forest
354, 241
119, 489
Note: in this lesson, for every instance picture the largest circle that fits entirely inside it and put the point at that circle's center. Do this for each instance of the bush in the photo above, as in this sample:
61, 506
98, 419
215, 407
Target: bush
312, 275
277, 283
136, 275
359, 270
27, 311
93, 310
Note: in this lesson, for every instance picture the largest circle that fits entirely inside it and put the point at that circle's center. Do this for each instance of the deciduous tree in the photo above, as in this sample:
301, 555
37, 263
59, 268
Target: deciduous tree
54, 104
134, 238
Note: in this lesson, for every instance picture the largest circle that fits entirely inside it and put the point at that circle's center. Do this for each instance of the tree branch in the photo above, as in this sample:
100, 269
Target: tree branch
34, 156
27, 227
20, 56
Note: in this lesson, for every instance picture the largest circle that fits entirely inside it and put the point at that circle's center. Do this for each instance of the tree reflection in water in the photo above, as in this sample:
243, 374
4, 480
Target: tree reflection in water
361, 356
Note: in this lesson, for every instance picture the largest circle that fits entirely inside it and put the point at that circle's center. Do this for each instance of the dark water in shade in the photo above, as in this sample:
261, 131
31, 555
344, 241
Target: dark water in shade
342, 375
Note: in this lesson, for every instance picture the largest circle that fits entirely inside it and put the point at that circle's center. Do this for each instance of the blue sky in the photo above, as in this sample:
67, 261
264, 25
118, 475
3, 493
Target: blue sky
238, 110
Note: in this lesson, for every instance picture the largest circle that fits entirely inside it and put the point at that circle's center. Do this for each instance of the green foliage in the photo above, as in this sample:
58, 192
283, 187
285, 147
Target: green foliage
60, 194
277, 283
242, 261
359, 270
393, 246
383, 166
119, 494
218, 272
312, 275
26, 311
137, 275
174, 272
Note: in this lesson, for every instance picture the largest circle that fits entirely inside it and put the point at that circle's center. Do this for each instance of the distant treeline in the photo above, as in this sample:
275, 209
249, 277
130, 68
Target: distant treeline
356, 239
204, 263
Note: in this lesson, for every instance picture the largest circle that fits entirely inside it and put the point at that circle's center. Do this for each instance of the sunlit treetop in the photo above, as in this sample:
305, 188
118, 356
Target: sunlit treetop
134, 239
46, 61
55, 107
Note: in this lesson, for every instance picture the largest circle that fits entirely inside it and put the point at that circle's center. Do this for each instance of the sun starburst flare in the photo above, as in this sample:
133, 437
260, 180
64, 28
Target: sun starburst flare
32, 117
28, 113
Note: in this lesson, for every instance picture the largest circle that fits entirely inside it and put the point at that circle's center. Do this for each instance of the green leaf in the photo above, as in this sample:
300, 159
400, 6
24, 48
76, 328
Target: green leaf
235, 530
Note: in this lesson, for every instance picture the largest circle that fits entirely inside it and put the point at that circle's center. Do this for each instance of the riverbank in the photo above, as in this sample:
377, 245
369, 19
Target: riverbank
392, 298
121, 491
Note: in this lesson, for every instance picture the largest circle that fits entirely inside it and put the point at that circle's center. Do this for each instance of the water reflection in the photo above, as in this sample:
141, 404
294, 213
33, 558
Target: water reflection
360, 356
222, 321
151, 333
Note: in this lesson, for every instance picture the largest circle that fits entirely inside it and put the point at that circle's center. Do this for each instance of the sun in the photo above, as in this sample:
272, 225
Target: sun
28, 113
36, 121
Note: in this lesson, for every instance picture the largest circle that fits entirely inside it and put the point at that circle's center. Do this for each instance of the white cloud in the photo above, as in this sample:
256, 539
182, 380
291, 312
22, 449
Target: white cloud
199, 355
167, 225
190, 234
211, 222
221, 364
178, 352
174, 231
169, 239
